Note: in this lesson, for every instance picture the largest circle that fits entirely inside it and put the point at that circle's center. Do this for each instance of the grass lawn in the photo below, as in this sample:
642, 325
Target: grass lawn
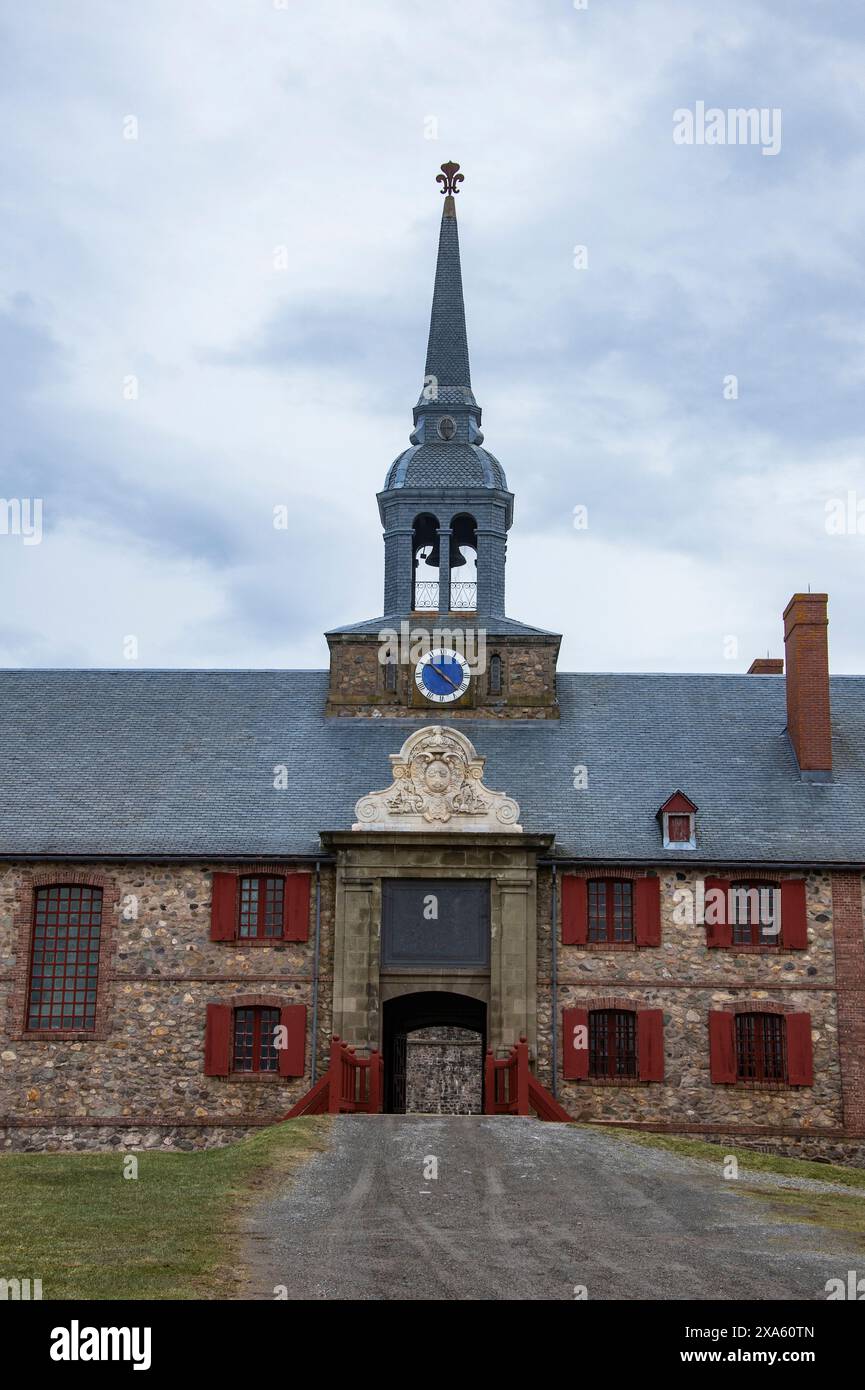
75, 1222
833, 1209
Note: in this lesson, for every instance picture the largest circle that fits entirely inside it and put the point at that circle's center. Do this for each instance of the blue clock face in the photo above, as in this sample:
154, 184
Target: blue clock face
442, 675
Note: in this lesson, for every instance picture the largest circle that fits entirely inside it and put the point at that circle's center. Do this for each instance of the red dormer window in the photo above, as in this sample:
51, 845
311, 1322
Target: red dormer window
678, 822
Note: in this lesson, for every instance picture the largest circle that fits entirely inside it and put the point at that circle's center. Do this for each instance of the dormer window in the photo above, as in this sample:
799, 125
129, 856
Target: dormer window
678, 822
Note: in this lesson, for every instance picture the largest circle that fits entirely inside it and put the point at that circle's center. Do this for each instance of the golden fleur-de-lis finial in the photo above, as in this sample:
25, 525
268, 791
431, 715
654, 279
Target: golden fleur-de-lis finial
449, 178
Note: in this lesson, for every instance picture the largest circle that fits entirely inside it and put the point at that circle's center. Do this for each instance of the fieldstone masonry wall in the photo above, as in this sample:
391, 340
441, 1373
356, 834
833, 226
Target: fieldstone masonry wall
140, 1081
357, 681
687, 980
443, 1072
146, 1075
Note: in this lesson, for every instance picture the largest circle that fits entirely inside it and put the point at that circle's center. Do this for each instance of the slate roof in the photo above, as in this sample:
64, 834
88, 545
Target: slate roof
493, 626
155, 763
446, 465
447, 357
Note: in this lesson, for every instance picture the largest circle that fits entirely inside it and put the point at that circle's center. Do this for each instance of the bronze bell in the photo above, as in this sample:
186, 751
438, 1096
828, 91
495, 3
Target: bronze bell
434, 557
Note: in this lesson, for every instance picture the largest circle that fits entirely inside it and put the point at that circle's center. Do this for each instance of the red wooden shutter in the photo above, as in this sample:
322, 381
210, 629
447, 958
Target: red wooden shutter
719, 932
296, 908
647, 911
722, 1048
217, 1040
575, 1059
292, 1057
575, 911
650, 1044
800, 1053
794, 915
223, 907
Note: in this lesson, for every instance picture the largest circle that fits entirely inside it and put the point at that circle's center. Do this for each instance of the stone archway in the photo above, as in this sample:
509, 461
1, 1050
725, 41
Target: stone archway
434, 1043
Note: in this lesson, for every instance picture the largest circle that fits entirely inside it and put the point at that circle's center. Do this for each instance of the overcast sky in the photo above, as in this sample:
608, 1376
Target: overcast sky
229, 313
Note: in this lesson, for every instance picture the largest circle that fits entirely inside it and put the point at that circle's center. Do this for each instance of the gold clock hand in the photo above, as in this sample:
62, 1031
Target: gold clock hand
444, 675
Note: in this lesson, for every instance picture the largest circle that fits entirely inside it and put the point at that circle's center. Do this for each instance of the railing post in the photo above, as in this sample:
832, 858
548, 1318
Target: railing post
333, 1086
375, 1081
489, 1083
522, 1070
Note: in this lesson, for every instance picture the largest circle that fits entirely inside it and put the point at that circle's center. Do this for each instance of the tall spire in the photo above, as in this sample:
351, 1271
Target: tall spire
447, 359
446, 493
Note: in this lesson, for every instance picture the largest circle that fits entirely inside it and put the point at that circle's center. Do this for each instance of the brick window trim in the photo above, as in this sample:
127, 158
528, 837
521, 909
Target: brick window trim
22, 923
602, 1002
276, 943
260, 868
605, 946
596, 872
759, 1006
617, 1001
257, 1001
632, 1081
253, 1001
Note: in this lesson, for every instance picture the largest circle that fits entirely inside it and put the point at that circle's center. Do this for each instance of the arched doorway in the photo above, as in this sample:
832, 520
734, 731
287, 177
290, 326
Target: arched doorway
433, 1045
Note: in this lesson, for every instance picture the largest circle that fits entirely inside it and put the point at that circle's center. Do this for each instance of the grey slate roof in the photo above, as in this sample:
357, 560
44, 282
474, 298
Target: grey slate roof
447, 357
181, 763
446, 465
492, 626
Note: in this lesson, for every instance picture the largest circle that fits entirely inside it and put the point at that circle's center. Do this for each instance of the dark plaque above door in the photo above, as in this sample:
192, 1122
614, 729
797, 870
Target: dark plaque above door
435, 924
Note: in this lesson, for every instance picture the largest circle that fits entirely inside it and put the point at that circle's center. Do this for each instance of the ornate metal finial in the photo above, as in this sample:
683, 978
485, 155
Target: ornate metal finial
449, 178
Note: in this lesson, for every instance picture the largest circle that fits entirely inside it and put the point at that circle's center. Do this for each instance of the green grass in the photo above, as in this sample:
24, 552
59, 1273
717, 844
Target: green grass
75, 1222
749, 1159
833, 1209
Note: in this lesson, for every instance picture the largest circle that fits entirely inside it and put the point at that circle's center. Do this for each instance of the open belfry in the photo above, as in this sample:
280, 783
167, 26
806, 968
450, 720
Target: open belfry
633, 899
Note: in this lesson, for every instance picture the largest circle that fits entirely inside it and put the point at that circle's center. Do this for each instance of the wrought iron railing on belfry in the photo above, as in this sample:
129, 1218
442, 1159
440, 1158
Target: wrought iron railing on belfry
464, 596
426, 596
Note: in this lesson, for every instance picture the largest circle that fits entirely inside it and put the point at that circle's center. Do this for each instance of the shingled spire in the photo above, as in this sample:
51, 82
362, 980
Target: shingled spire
445, 505
447, 358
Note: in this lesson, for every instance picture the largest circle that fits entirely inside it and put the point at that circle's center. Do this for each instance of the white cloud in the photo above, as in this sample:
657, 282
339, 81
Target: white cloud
303, 127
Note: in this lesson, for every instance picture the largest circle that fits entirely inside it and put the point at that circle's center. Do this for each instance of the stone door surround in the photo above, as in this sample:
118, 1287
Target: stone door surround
366, 858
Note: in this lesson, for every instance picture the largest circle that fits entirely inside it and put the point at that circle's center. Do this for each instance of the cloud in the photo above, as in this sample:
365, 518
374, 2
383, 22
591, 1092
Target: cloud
260, 260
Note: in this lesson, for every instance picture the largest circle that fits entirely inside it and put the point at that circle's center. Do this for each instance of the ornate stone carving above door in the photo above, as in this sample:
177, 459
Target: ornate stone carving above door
437, 785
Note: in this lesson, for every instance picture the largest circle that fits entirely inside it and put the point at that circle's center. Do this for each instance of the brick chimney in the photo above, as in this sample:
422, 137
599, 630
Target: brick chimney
766, 666
808, 716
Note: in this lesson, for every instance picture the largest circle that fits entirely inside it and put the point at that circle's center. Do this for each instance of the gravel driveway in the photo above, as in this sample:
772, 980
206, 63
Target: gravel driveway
524, 1210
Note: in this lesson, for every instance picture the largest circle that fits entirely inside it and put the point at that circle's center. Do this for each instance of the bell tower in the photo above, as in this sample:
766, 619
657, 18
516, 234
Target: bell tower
446, 512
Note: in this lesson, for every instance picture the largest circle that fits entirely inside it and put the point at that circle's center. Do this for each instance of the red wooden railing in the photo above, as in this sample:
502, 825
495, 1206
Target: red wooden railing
510, 1088
351, 1085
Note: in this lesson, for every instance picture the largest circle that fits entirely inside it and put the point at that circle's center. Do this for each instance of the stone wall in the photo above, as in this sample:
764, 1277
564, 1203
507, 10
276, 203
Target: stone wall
357, 681
444, 1072
148, 1069
687, 980
143, 1075
81, 1137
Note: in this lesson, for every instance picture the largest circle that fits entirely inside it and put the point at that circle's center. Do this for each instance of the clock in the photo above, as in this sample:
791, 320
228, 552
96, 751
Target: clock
442, 675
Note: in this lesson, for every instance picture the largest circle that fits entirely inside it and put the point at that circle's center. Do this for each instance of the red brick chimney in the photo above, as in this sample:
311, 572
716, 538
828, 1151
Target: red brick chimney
806, 646
766, 666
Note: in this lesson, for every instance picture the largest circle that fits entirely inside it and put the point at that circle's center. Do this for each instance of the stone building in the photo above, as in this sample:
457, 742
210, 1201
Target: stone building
437, 845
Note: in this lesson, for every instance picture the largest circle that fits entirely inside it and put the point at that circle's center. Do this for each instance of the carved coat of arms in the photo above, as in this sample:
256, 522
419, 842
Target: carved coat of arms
437, 784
